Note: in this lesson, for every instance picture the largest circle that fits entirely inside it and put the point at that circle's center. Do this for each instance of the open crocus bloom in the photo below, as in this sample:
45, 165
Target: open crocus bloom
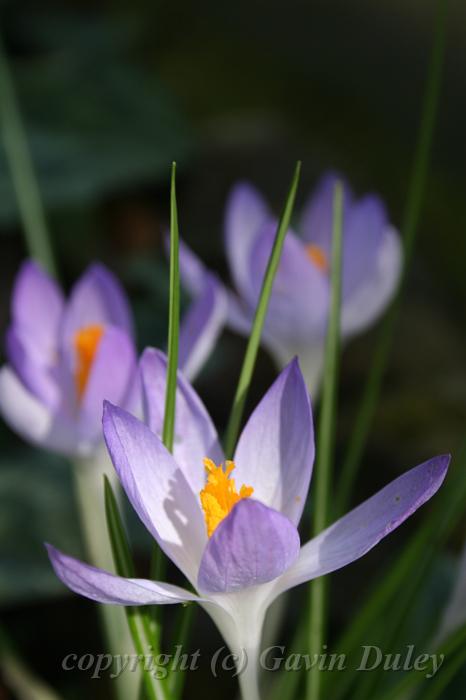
298, 311
66, 356
237, 541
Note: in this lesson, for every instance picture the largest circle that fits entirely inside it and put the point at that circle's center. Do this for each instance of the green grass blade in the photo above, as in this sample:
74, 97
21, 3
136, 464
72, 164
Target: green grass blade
326, 439
177, 678
138, 621
247, 369
173, 321
409, 229
22, 170
399, 584
413, 679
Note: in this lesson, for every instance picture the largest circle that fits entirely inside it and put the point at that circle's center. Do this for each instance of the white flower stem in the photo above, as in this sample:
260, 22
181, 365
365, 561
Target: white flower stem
89, 489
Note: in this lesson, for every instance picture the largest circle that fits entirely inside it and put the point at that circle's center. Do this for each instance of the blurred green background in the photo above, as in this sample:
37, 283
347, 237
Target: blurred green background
111, 93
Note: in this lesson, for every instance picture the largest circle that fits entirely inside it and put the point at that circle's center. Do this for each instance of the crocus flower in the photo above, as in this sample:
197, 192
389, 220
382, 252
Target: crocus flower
298, 311
66, 356
231, 526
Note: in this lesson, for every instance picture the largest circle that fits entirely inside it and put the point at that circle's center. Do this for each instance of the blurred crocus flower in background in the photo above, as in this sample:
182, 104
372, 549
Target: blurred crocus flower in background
297, 318
65, 357
235, 539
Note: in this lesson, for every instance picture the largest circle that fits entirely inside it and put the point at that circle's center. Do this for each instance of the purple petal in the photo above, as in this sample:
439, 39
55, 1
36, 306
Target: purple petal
105, 587
299, 302
36, 307
111, 378
195, 434
362, 528
193, 271
201, 327
157, 489
275, 452
317, 218
252, 545
364, 225
33, 420
96, 299
246, 213
39, 378
374, 292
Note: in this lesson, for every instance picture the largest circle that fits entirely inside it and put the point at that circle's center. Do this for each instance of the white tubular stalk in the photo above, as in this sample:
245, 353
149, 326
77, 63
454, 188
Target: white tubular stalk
89, 489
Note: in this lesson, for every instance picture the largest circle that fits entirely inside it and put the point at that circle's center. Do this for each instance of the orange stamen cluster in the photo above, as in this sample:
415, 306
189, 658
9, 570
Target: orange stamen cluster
86, 343
317, 256
220, 495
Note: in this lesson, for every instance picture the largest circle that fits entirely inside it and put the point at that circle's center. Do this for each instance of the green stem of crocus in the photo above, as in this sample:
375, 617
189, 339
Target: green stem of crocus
325, 442
22, 169
88, 479
138, 619
249, 361
409, 229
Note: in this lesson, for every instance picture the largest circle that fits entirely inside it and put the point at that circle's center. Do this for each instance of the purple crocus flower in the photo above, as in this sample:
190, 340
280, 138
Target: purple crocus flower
298, 311
66, 356
235, 539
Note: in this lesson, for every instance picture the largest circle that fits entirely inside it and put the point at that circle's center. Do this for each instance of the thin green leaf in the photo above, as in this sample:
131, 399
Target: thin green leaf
158, 563
326, 439
414, 678
399, 584
138, 621
177, 678
173, 321
409, 229
22, 170
247, 369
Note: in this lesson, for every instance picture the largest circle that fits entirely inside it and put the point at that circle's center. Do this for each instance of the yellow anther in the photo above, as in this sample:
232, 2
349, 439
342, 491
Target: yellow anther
220, 495
86, 343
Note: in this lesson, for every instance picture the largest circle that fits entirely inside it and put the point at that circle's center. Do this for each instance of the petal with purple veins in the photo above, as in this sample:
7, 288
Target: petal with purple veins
195, 434
275, 452
254, 544
157, 489
357, 532
106, 587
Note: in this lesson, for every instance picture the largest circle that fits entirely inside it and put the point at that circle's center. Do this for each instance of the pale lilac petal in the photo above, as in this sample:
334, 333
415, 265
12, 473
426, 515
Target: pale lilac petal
33, 420
317, 217
362, 528
105, 587
195, 434
157, 489
36, 307
373, 294
246, 213
201, 327
97, 298
299, 301
240, 315
363, 229
111, 378
193, 271
252, 545
39, 378
275, 452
